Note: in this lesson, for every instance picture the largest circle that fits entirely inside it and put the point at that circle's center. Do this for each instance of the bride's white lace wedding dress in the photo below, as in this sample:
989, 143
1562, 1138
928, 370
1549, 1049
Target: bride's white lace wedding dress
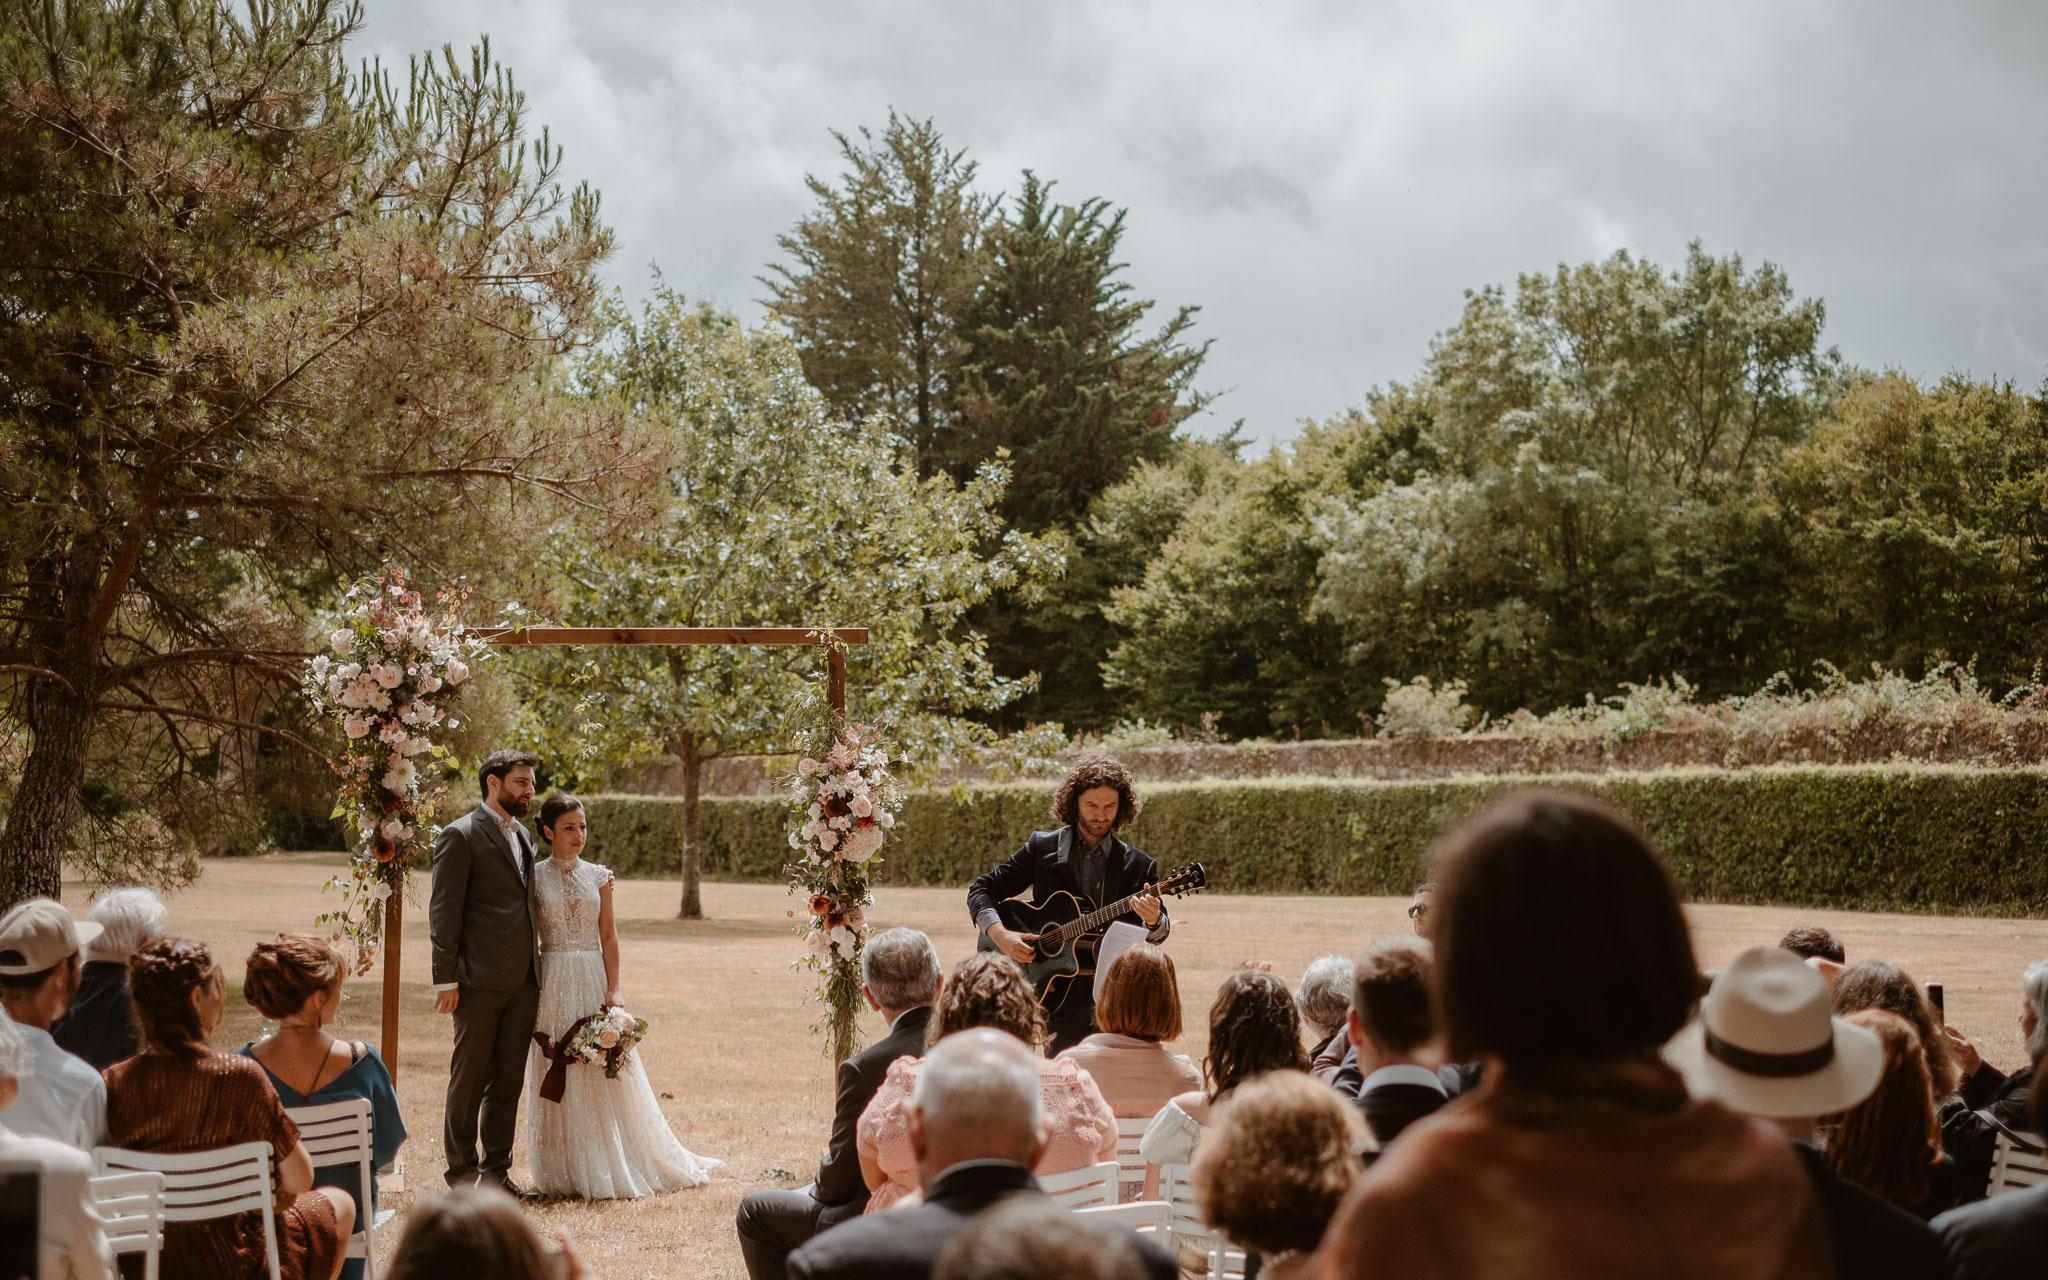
606, 1139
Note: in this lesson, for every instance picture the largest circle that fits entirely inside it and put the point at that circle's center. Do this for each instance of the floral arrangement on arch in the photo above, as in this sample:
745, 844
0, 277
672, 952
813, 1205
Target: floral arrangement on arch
843, 803
388, 682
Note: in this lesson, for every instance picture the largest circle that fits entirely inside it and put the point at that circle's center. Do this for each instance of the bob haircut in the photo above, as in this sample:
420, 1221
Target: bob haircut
1560, 938
1140, 995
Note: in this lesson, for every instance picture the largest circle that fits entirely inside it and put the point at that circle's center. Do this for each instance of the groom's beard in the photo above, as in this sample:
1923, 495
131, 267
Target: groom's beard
515, 807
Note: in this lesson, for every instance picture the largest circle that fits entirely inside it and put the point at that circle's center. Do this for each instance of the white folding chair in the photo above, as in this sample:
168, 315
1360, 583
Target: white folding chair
1189, 1233
337, 1134
131, 1209
1146, 1217
202, 1185
1130, 1164
2018, 1160
1090, 1184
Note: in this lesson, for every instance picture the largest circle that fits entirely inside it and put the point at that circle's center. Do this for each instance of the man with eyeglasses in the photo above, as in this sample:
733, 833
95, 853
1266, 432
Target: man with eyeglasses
1418, 910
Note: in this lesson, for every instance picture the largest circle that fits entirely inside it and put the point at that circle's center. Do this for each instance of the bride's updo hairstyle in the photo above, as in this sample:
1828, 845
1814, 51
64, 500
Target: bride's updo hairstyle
284, 974
162, 975
551, 811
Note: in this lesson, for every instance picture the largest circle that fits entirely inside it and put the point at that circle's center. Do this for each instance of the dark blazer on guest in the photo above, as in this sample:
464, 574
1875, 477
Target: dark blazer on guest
1390, 1108
100, 1026
1872, 1238
903, 1244
1042, 864
480, 912
839, 1183
2005, 1238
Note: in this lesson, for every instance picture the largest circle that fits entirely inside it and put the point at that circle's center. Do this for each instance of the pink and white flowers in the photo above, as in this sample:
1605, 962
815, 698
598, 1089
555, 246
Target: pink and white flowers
606, 1039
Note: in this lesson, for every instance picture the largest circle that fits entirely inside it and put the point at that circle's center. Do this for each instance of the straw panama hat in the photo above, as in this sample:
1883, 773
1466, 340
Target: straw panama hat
1766, 1042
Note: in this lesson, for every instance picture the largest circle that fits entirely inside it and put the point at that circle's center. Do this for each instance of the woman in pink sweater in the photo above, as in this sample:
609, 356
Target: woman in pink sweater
985, 990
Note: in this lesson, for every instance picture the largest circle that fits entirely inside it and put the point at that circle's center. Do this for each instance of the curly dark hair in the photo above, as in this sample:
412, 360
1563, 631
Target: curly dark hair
1088, 773
162, 975
1253, 1028
987, 989
1877, 985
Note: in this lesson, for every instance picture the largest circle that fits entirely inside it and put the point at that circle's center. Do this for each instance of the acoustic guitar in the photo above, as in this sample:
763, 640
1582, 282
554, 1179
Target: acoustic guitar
1068, 930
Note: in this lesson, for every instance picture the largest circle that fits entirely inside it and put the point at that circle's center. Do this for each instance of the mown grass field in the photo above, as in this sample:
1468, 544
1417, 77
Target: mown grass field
741, 1078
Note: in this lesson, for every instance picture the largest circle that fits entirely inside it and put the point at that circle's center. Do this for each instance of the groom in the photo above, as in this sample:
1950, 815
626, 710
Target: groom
487, 966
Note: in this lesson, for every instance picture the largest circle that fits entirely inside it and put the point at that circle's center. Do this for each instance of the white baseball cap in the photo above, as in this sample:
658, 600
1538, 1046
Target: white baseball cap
1767, 1042
38, 934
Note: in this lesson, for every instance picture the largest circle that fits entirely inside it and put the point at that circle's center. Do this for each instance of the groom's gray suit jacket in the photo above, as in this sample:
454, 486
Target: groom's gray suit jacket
480, 917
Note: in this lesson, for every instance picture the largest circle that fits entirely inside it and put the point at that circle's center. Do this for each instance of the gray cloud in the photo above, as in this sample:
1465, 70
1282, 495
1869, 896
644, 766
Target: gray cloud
1325, 179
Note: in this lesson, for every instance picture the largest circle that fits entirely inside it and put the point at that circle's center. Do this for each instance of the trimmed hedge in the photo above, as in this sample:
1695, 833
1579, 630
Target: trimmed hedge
1879, 838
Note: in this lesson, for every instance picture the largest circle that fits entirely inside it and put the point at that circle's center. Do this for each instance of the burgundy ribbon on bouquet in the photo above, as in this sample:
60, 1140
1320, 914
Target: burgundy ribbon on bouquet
559, 1058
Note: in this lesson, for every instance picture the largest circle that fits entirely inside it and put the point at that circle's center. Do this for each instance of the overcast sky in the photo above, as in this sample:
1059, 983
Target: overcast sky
1326, 179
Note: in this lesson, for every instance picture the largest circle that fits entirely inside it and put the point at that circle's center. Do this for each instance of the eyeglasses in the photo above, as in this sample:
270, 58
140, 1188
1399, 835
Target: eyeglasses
1417, 909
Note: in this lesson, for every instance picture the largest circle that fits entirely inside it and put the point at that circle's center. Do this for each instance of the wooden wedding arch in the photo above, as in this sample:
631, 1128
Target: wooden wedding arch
834, 639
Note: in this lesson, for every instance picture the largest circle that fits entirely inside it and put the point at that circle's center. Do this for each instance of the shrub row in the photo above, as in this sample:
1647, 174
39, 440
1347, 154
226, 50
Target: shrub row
1899, 838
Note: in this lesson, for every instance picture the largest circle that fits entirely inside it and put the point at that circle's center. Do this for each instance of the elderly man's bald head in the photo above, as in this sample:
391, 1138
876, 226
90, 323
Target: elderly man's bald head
977, 1097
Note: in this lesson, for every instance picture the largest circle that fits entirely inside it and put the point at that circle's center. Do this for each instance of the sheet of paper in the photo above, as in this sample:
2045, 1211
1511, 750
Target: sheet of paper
1115, 939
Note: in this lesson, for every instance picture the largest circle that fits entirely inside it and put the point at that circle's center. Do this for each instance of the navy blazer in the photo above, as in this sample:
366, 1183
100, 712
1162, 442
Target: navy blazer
1044, 865
839, 1182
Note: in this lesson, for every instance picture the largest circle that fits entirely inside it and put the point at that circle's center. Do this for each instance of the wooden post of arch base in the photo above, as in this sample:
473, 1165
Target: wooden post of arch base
835, 693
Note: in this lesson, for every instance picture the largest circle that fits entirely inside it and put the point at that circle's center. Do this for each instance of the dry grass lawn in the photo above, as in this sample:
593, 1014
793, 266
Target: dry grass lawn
741, 1078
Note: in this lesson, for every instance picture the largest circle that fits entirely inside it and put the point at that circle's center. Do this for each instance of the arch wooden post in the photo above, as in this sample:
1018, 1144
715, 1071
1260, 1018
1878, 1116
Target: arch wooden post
833, 638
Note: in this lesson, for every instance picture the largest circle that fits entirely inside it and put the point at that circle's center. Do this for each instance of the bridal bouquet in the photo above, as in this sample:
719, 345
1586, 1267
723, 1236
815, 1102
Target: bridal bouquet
843, 803
387, 682
604, 1039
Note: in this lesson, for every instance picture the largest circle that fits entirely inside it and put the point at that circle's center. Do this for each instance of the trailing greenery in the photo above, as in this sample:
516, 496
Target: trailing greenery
1911, 837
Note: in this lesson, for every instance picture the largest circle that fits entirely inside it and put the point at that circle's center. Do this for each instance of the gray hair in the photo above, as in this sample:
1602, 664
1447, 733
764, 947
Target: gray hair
981, 1084
901, 969
130, 917
1324, 994
2034, 983
14, 1054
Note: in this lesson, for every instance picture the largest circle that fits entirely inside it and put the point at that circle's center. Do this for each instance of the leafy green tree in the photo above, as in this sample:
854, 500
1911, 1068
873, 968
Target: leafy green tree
879, 274
1053, 368
777, 515
262, 323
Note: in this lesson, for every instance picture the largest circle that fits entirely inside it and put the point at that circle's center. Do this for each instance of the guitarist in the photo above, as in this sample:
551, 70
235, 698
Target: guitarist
1083, 856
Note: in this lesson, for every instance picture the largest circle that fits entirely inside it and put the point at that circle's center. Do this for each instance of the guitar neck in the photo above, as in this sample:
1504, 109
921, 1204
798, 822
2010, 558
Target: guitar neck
1097, 918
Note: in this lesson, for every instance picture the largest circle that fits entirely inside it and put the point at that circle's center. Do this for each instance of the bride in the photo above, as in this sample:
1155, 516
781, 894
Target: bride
606, 1139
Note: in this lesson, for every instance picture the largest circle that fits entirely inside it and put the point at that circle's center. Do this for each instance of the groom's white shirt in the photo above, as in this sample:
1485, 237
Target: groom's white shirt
512, 834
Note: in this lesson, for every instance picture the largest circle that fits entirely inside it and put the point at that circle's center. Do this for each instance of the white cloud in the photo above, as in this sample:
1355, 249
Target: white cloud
1325, 179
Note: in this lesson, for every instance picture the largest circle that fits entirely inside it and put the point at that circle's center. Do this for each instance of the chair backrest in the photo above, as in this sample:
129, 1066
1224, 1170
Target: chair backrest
1090, 1184
1147, 1217
2018, 1161
1189, 1232
201, 1185
337, 1133
131, 1208
1131, 1165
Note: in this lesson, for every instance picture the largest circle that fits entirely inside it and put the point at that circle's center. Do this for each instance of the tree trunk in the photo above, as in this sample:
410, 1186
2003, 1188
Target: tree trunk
693, 788
45, 804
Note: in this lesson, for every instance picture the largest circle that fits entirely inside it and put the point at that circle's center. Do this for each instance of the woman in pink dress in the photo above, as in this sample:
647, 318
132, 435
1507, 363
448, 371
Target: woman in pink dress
986, 989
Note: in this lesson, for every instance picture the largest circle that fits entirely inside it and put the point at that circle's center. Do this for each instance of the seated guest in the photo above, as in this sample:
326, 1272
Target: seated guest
1889, 1142
477, 1230
62, 1097
101, 1025
1765, 1043
1140, 1007
1811, 942
1279, 1158
1421, 910
1965, 1135
296, 982
1324, 997
1253, 1028
900, 980
1564, 961
2006, 1237
1028, 1238
178, 1095
1392, 1028
987, 989
1987, 1088
73, 1244
977, 1126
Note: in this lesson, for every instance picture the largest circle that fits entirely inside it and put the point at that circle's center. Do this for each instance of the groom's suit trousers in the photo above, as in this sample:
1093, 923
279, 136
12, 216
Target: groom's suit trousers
493, 1032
